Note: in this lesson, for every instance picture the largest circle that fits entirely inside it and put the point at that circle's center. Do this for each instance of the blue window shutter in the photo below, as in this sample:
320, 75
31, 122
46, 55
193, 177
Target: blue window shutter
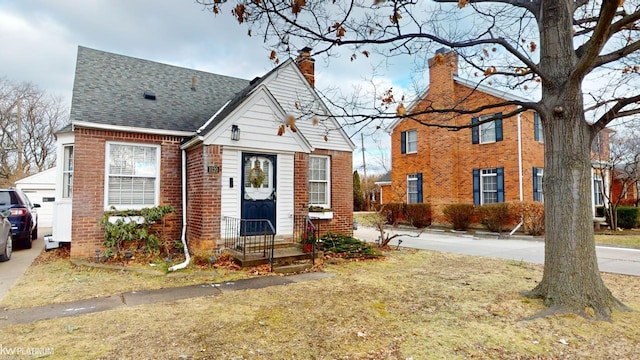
403, 142
500, 181
499, 127
476, 186
475, 131
419, 176
536, 196
536, 126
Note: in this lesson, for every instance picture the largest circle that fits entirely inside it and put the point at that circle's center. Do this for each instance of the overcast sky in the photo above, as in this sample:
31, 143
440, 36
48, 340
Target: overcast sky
39, 40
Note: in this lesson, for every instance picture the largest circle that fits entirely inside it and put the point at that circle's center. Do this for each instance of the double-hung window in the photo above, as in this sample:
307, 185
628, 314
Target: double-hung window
537, 128
67, 171
487, 132
598, 186
320, 181
488, 186
538, 195
132, 176
409, 142
414, 188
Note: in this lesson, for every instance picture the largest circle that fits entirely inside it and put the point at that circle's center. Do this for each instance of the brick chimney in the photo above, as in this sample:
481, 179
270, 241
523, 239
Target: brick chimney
306, 64
442, 67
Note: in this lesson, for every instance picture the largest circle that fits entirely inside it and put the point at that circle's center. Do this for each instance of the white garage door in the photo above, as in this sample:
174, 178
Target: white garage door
45, 198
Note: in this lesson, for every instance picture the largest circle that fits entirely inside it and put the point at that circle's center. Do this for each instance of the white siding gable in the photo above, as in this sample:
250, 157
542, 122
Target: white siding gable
290, 87
258, 118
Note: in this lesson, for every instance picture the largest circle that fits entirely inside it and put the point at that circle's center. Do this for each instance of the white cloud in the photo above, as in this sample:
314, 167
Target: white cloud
39, 41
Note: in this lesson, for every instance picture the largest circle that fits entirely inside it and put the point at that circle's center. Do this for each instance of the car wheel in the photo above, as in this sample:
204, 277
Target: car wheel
34, 233
8, 249
26, 243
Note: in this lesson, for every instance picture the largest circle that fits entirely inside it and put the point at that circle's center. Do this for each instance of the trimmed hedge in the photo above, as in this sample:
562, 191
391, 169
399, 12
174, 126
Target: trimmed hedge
459, 215
419, 215
532, 215
627, 217
393, 212
496, 217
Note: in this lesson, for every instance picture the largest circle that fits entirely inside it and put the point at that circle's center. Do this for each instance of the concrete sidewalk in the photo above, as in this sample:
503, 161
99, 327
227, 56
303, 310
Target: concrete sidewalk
134, 298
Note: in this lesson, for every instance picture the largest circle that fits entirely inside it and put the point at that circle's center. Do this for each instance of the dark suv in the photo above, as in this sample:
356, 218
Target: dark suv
23, 217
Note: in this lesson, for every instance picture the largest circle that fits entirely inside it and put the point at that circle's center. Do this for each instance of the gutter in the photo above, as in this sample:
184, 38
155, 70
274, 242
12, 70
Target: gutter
184, 216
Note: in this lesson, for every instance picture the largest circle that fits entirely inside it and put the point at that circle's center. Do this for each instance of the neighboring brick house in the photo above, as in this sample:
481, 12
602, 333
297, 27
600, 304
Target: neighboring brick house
498, 161
139, 129
384, 184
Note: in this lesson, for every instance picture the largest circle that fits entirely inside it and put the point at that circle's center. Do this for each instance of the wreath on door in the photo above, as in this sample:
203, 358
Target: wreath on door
256, 176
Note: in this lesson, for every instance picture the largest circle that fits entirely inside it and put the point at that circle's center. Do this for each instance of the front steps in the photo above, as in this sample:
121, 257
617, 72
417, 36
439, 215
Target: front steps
287, 258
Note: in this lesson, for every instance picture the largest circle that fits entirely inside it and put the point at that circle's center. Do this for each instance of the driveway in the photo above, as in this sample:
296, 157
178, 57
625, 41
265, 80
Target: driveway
610, 259
11, 270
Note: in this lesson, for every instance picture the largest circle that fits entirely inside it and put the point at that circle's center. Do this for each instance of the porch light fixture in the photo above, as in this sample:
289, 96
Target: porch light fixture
235, 133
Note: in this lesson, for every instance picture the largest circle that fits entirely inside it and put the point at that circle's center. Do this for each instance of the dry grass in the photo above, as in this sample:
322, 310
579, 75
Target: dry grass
54, 279
627, 239
413, 305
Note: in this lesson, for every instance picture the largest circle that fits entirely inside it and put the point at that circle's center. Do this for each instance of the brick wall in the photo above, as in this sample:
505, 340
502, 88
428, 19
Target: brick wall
447, 158
89, 180
386, 194
203, 197
203, 189
301, 184
341, 192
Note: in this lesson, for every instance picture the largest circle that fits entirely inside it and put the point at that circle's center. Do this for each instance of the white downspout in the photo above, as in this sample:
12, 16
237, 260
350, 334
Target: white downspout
593, 193
520, 156
519, 171
183, 264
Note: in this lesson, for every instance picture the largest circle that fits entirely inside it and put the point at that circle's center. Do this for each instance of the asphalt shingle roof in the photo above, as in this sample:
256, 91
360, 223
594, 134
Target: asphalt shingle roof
385, 178
109, 89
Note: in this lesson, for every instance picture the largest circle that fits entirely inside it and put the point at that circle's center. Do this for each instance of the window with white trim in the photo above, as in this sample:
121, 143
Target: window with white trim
412, 141
487, 130
67, 171
537, 128
489, 186
412, 189
409, 142
538, 174
320, 181
132, 176
598, 185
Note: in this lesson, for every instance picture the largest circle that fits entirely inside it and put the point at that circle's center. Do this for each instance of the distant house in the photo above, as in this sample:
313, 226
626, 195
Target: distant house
384, 186
498, 161
41, 189
144, 134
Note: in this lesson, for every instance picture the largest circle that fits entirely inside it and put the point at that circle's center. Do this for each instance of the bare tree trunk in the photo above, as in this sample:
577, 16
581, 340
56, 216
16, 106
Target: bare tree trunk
571, 281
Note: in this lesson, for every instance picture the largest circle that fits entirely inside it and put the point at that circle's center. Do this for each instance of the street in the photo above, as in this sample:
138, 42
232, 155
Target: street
610, 259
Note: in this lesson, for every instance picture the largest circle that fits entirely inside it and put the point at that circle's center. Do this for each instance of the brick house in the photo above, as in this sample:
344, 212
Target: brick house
498, 161
144, 134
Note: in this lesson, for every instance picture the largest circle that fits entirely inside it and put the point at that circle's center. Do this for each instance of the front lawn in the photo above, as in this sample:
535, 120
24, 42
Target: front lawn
409, 305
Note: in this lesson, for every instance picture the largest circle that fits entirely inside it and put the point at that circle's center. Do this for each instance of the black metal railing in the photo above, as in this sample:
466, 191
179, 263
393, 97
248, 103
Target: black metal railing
304, 230
250, 237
